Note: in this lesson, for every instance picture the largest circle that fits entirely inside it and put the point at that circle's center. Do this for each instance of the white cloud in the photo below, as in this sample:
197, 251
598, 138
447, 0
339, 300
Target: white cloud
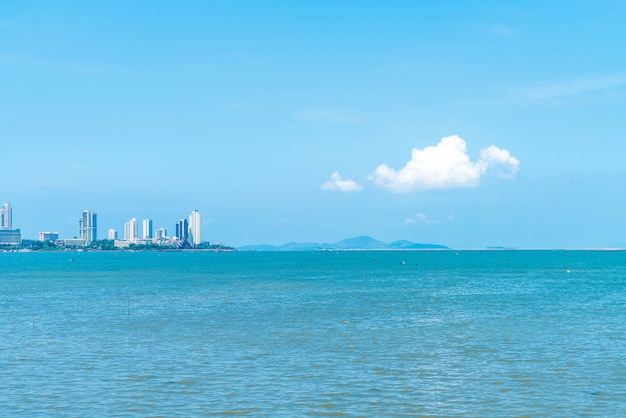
89, 68
503, 31
570, 87
443, 166
331, 115
337, 182
228, 107
422, 218
552, 93
283, 221
505, 164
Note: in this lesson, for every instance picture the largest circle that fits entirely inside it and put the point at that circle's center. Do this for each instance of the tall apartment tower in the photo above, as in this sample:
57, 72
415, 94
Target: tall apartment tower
131, 230
5, 216
147, 229
182, 230
88, 226
112, 234
195, 227
161, 234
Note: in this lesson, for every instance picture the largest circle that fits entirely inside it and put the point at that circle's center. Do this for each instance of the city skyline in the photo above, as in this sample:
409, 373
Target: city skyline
87, 229
468, 124
186, 230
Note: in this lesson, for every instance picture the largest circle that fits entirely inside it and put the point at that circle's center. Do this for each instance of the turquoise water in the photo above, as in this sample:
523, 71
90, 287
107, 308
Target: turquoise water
439, 333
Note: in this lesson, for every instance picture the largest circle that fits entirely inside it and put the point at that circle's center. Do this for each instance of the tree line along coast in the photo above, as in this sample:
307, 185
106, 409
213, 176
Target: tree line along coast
188, 236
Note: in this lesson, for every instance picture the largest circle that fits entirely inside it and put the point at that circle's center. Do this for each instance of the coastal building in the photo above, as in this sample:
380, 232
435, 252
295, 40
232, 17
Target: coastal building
131, 230
74, 242
10, 237
161, 234
48, 236
88, 227
122, 243
5, 216
182, 230
147, 229
112, 233
195, 227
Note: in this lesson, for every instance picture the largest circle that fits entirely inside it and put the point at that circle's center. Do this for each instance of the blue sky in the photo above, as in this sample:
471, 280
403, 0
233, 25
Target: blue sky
468, 124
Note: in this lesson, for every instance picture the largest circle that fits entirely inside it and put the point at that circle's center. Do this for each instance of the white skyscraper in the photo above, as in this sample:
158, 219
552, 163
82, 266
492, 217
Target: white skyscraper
147, 229
131, 230
5, 216
195, 227
161, 234
112, 233
88, 226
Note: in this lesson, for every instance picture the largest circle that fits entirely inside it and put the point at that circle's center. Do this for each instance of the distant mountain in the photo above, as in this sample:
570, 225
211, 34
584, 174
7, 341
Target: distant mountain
401, 244
357, 243
361, 243
301, 246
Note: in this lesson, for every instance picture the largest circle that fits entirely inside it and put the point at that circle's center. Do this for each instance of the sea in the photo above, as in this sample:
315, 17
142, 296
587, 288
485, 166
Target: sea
296, 334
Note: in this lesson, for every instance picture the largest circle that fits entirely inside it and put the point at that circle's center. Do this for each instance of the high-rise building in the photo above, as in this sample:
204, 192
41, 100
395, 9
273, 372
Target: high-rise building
131, 230
195, 227
182, 230
147, 229
8, 235
112, 233
5, 216
88, 226
161, 234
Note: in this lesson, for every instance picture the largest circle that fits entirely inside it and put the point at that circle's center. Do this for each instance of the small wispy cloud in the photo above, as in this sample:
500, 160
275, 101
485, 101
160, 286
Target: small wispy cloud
34, 183
338, 115
444, 166
502, 30
422, 218
88, 68
282, 221
26, 61
228, 107
15, 60
193, 67
338, 183
569, 87
553, 93
75, 65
